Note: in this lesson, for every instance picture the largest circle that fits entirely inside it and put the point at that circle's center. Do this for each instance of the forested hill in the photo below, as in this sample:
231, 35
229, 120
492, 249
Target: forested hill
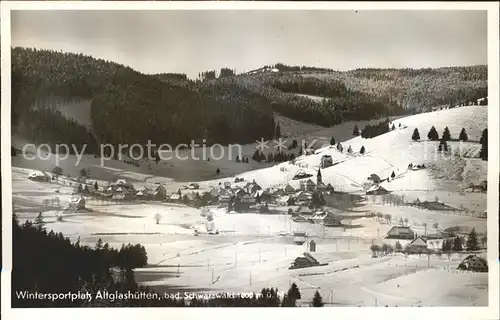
127, 106
130, 107
364, 93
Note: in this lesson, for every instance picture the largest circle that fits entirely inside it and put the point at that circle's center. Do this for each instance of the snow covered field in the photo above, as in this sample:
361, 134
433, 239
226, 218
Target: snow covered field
249, 253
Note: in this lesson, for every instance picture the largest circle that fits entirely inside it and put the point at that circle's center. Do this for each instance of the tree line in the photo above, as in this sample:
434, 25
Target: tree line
129, 107
433, 135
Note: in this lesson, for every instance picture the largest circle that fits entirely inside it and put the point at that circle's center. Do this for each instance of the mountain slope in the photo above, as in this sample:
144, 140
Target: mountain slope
393, 151
130, 107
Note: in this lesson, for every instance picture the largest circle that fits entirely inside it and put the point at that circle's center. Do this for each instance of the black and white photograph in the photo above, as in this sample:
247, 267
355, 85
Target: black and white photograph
190, 156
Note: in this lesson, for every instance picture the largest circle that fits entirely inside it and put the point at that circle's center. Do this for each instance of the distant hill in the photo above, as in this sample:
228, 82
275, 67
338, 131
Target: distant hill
127, 106
130, 107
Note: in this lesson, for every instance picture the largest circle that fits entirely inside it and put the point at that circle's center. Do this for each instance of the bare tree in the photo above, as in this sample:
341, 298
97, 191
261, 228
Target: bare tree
436, 226
425, 227
157, 218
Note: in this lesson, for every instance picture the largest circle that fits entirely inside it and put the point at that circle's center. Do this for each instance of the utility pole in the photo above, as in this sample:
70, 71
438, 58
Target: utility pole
250, 279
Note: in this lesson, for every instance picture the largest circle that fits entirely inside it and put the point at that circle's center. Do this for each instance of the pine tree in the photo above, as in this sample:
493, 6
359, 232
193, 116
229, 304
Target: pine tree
80, 188
39, 223
355, 131
349, 150
294, 293
433, 134
278, 131
472, 243
416, 135
317, 300
446, 134
393, 127
393, 175
96, 186
362, 150
483, 154
332, 141
457, 244
98, 245
463, 135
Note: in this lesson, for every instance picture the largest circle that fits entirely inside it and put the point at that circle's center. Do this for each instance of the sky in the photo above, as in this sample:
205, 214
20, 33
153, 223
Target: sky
194, 41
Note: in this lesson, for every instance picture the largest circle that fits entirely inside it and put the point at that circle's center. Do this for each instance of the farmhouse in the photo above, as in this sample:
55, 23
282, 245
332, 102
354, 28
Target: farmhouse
305, 262
284, 200
377, 190
331, 220
474, 263
252, 187
288, 188
400, 233
308, 185
303, 210
77, 203
122, 183
248, 199
122, 197
175, 197
326, 161
302, 196
419, 245
39, 176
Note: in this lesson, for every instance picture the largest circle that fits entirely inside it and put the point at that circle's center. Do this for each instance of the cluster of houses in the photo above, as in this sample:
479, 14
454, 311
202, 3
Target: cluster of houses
247, 194
121, 190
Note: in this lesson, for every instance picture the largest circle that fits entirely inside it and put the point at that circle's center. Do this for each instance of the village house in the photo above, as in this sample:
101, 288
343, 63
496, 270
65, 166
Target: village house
224, 197
332, 221
302, 197
248, 199
262, 196
283, 201
326, 161
159, 193
287, 189
398, 232
77, 203
227, 185
121, 197
306, 261
39, 176
175, 197
377, 190
329, 188
308, 185
418, 245
252, 187
304, 210
194, 186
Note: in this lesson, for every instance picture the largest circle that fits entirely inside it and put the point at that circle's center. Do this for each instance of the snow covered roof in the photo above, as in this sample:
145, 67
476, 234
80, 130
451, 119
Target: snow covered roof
418, 242
77, 200
175, 196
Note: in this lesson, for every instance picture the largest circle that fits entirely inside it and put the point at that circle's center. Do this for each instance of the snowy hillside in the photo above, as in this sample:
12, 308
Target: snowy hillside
393, 151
